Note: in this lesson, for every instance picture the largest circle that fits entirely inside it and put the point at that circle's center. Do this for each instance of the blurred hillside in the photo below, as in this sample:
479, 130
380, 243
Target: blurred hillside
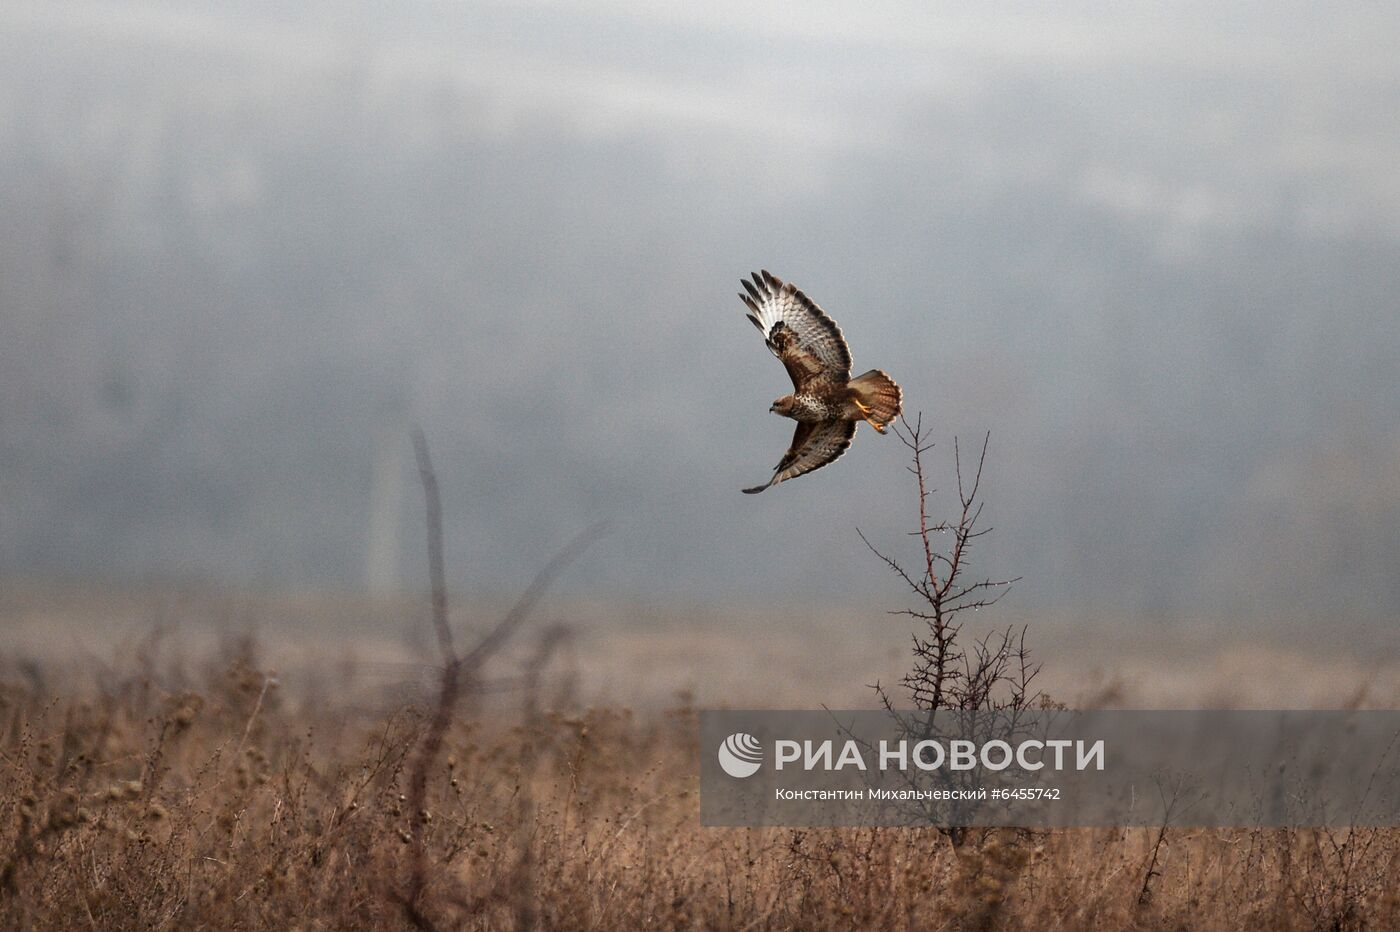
242, 249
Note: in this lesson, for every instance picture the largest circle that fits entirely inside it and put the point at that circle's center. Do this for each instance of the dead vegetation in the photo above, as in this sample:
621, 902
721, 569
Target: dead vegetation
213, 795
185, 798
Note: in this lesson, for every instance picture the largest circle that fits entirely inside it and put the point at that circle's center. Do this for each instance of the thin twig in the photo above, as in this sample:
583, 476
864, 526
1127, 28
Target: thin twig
437, 574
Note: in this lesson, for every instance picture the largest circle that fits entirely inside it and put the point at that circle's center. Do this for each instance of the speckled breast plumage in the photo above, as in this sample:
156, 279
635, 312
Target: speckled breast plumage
811, 409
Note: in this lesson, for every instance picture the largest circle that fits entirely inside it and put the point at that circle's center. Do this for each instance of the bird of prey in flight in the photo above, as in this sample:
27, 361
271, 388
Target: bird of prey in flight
825, 402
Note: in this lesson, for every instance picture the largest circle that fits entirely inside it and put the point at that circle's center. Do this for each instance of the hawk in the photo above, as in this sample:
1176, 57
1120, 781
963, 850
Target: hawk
826, 402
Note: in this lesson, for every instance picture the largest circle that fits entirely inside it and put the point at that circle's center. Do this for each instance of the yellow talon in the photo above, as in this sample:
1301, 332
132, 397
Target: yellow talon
865, 412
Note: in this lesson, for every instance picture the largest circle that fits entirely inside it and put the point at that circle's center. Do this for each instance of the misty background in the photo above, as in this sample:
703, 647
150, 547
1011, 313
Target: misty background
1155, 250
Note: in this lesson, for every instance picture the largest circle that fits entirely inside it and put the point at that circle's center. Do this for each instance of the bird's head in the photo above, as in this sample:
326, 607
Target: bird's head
783, 406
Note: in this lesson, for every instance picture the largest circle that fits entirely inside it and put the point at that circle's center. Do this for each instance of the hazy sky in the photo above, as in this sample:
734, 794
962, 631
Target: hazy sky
1152, 249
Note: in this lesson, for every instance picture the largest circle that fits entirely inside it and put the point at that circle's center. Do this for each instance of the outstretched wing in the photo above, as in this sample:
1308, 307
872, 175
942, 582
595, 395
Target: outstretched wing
798, 332
813, 446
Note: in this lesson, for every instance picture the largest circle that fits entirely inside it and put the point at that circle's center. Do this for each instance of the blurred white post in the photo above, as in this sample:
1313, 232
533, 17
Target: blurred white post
385, 503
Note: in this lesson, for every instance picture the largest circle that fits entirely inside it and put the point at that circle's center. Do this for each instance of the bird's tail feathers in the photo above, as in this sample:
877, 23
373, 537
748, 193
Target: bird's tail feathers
880, 394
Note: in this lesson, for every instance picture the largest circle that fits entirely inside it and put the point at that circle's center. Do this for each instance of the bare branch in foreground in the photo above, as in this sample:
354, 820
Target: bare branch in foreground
458, 671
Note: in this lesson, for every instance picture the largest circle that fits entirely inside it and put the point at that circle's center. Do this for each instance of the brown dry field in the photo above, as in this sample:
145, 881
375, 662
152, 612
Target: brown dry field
178, 760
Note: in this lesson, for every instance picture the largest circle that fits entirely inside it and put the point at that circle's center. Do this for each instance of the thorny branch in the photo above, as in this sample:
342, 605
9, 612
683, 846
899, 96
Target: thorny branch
997, 671
994, 674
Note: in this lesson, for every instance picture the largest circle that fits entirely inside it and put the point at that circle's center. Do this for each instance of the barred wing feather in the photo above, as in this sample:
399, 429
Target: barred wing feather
797, 331
813, 446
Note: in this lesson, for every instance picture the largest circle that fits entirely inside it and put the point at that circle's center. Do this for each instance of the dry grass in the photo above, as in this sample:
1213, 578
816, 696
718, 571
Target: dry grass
179, 796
